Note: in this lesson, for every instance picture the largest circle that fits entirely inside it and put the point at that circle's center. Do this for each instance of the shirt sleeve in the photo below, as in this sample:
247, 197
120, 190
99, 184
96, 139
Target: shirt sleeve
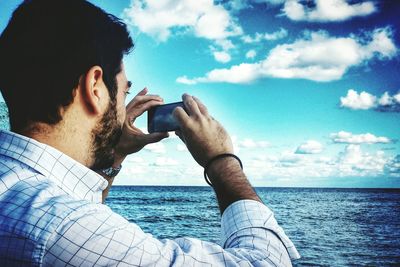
250, 236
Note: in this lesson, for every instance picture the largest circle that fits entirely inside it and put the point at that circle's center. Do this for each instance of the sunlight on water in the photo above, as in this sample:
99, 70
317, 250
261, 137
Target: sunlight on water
330, 227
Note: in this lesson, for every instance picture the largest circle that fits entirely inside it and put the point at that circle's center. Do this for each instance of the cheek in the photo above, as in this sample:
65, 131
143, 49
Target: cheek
121, 109
121, 114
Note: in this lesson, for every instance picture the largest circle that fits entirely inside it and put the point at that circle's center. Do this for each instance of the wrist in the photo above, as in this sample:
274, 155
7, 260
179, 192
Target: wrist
229, 181
110, 173
118, 159
222, 168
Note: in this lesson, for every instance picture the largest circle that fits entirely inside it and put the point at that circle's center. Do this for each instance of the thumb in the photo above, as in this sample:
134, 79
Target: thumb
179, 134
156, 137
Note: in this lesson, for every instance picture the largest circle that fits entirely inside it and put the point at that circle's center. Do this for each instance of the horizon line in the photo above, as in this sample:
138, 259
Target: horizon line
305, 187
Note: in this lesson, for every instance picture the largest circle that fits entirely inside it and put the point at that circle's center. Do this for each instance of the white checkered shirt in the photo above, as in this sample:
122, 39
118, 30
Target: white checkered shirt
51, 215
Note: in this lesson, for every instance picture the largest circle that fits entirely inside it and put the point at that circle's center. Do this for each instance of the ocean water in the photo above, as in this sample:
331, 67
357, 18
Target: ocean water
330, 227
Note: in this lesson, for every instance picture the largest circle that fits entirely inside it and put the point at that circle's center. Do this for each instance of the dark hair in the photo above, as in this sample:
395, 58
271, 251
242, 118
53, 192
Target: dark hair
45, 49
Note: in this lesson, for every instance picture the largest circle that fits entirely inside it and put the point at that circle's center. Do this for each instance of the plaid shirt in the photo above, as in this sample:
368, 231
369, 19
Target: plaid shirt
51, 215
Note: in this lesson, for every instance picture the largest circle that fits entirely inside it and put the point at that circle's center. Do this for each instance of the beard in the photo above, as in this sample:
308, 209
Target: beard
106, 136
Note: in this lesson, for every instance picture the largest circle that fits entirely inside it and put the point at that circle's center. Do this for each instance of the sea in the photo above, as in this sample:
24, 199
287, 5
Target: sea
329, 226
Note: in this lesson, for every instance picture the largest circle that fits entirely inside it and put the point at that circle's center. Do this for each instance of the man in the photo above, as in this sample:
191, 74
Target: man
64, 83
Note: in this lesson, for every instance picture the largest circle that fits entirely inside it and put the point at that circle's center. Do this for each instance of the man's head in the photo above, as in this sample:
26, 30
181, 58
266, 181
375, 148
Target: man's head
48, 50
106, 133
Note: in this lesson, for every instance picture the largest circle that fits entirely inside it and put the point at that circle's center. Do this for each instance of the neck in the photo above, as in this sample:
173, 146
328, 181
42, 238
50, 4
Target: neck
72, 141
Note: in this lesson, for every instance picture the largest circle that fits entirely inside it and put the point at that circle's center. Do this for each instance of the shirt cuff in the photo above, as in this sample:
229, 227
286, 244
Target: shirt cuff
244, 214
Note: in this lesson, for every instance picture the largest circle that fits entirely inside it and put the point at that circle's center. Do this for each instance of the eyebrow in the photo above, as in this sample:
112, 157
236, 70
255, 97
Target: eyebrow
128, 84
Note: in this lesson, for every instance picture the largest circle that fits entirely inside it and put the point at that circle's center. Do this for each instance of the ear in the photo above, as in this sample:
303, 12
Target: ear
94, 91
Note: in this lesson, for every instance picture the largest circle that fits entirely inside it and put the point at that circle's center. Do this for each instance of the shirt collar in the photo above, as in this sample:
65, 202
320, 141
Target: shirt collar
71, 176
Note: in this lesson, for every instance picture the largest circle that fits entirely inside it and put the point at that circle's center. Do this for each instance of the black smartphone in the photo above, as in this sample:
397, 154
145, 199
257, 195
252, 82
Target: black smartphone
160, 118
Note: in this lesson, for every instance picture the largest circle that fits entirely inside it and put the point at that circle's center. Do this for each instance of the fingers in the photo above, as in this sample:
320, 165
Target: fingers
138, 95
155, 137
144, 98
202, 107
138, 110
143, 92
181, 116
191, 106
179, 134
140, 99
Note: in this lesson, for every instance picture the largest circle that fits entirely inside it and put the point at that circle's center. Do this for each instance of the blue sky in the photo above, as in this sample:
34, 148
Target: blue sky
308, 90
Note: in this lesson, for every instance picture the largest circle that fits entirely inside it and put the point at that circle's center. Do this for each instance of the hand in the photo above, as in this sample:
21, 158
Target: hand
203, 136
133, 139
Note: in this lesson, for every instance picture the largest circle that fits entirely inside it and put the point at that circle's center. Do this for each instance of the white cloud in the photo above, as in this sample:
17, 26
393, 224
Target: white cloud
381, 44
350, 162
288, 165
243, 73
312, 59
251, 54
367, 138
353, 161
308, 58
354, 100
163, 161
216, 23
389, 103
397, 98
135, 159
144, 130
225, 44
364, 100
262, 167
258, 37
162, 170
135, 170
392, 168
202, 17
327, 10
235, 142
263, 144
282, 33
181, 147
250, 143
185, 80
385, 100
222, 56
237, 5
310, 147
294, 10
158, 148
172, 135
272, 2
289, 159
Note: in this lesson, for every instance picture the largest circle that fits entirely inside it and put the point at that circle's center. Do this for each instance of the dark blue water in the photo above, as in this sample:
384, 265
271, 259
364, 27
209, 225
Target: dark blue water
330, 227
